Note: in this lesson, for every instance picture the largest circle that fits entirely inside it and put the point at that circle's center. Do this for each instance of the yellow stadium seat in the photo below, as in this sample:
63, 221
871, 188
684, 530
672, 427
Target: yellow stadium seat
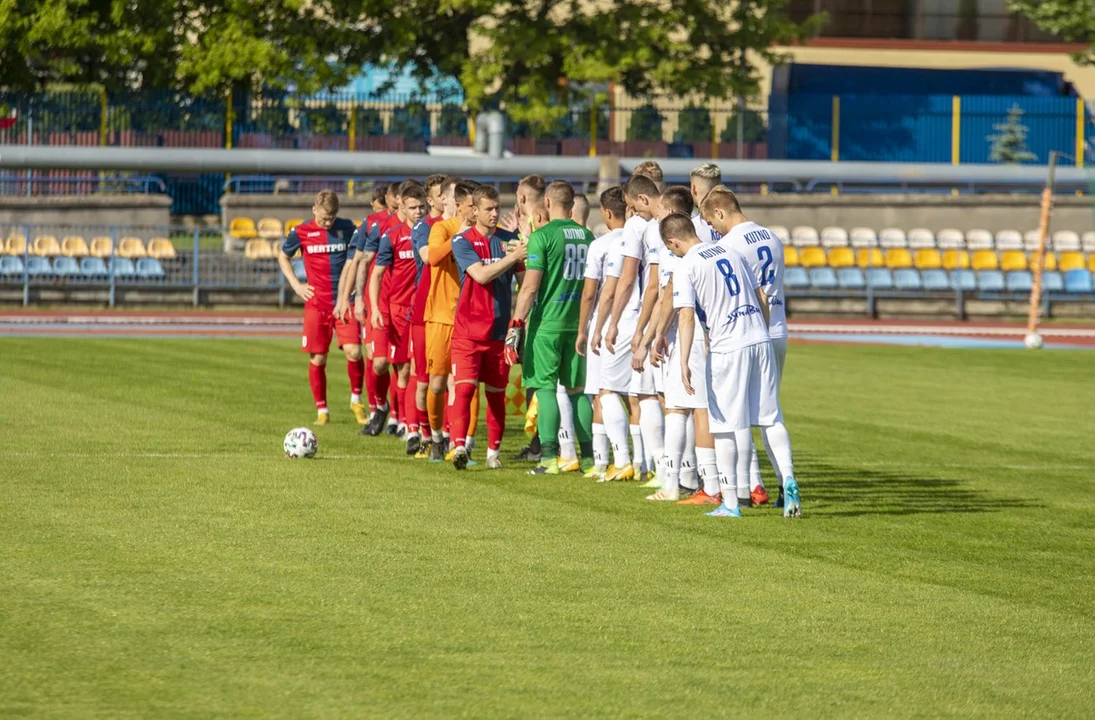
275, 247
74, 246
928, 259
1091, 262
1013, 260
243, 228
17, 244
790, 256
102, 247
841, 257
956, 260
869, 257
290, 224
162, 249
1066, 261
131, 247
985, 260
1051, 261
812, 256
257, 250
45, 245
269, 228
898, 258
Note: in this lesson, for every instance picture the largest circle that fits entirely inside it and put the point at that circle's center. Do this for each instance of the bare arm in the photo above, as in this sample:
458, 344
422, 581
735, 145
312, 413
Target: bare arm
605, 303
362, 259
763, 300
342, 302
304, 290
629, 273
486, 274
527, 296
374, 295
589, 292
686, 331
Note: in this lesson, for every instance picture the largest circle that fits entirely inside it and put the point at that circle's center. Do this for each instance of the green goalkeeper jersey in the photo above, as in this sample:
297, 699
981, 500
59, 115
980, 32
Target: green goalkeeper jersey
558, 249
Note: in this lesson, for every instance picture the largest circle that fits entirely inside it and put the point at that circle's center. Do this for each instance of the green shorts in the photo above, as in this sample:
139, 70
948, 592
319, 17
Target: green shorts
550, 358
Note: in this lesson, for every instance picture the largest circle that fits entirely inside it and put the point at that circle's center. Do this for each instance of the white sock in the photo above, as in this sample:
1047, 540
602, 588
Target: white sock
709, 470
638, 456
754, 470
614, 415
493, 453
600, 446
324, 411
382, 408
726, 454
778, 443
567, 448
436, 436
675, 436
688, 462
772, 457
355, 398
469, 443
652, 425
744, 442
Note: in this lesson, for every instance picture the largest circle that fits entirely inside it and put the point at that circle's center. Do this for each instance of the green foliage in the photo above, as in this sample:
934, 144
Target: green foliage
452, 121
1009, 144
1069, 20
326, 119
646, 124
694, 125
369, 122
753, 128
412, 121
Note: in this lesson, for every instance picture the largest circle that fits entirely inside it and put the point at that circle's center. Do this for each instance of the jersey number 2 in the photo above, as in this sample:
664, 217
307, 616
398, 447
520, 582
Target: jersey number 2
574, 266
733, 286
767, 274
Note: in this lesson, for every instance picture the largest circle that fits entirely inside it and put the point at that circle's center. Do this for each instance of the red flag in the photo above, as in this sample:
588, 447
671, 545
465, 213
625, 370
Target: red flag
7, 122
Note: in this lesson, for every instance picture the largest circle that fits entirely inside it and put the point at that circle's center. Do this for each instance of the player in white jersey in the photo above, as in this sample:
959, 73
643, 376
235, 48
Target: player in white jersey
714, 284
609, 411
703, 180
763, 251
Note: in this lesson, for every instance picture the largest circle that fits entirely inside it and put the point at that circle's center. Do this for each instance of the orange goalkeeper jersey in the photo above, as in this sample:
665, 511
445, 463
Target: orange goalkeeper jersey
444, 276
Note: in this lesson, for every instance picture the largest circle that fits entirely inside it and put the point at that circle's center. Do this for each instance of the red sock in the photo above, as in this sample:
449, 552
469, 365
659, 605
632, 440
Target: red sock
370, 384
397, 401
448, 414
382, 382
423, 414
460, 413
356, 370
410, 409
496, 418
317, 378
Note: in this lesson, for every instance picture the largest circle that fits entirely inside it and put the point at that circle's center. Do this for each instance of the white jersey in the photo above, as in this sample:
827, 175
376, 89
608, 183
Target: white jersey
717, 282
596, 257
705, 232
629, 244
764, 252
668, 261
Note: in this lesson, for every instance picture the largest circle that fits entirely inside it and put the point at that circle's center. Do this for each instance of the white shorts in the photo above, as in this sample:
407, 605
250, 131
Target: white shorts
645, 383
676, 398
593, 371
659, 376
743, 389
779, 347
616, 368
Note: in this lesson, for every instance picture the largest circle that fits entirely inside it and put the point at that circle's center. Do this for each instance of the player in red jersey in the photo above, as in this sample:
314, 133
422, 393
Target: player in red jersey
369, 228
324, 242
391, 312
481, 322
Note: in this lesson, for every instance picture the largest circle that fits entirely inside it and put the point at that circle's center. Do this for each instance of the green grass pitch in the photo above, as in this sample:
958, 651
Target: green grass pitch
160, 558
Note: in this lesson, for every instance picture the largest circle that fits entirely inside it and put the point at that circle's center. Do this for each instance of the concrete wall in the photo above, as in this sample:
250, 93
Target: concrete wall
75, 210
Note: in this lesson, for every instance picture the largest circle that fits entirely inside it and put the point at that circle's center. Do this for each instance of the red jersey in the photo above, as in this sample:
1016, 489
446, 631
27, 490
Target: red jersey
397, 255
325, 253
482, 311
420, 238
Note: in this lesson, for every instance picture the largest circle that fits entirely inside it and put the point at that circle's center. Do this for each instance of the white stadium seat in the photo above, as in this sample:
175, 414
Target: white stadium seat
892, 238
1063, 241
864, 237
950, 239
1009, 240
979, 240
834, 237
804, 236
921, 238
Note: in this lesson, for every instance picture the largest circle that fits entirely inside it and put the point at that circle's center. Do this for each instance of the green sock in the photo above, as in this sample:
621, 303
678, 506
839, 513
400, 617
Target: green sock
583, 423
547, 423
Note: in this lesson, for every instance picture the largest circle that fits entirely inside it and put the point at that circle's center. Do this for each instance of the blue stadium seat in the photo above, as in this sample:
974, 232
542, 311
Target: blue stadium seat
1078, 281
964, 280
1052, 282
65, 267
823, 278
935, 280
1019, 281
150, 269
298, 268
851, 279
39, 267
990, 281
880, 279
11, 266
93, 267
123, 267
907, 279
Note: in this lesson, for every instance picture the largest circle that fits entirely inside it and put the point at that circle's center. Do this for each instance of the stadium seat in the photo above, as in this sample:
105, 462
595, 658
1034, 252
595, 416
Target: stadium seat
298, 268
790, 256
956, 259
93, 267
907, 279
1091, 262
275, 248
150, 269
1078, 281
132, 248
123, 267
45, 246
990, 281
1018, 281
921, 238
964, 280
833, 237
65, 266
102, 247
935, 280
779, 230
16, 245
1009, 240
1030, 240
39, 266
161, 248
823, 278
1070, 261
804, 236
979, 240
796, 277
290, 224
257, 250
1064, 241
928, 259
892, 238
841, 257
862, 237
851, 278
270, 229
1013, 260
898, 258
1053, 282
984, 260
10, 266
1087, 241
869, 257
74, 246
880, 278
243, 228
1050, 261
812, 257
950, 239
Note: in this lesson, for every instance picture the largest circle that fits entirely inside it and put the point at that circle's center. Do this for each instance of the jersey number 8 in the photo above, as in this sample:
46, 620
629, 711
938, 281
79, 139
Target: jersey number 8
574, 267
733, 286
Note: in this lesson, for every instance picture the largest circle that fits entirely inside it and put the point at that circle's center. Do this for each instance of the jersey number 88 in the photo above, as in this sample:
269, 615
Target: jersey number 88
574, 266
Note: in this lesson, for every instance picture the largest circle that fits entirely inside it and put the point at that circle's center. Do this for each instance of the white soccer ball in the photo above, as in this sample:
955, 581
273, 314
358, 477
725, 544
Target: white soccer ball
1033, 341
301, 443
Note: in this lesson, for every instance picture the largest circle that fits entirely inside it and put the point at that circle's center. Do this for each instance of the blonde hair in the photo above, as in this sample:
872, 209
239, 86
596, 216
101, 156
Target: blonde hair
328, 200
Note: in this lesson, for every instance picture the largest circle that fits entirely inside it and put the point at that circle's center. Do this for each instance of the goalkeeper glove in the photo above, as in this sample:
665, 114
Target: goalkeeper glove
514, 338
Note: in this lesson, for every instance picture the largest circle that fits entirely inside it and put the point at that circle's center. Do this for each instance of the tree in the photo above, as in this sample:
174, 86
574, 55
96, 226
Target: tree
694, 124
412, 121
1009, 145
753, 129
452, 122
646, 124
1069, 20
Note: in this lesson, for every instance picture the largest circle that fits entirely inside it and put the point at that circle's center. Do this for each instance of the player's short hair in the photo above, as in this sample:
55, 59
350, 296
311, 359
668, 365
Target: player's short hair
677, 225
678, 199
613, 199
448, 182
407, 185
380, 194
328, 200
721, 198
561, 193
416, 192
650, 169
464, 189
392, 189
581, 208
485, 191
434, 181
638, 185
708, 171
535, 184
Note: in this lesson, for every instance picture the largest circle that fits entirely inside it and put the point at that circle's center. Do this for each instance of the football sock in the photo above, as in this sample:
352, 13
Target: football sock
754, 470
676, 434
744, 442
410, 409
459, 412
496, 419
726, 454
370, 385
473, 413
548, 422
568, 450
652, 424
435, 410
356, 370
600, 445
583, 420
688, 462
317, 378
382, 383
778, 443
534, 445
397, 399
637, 455
709, 470
614, 415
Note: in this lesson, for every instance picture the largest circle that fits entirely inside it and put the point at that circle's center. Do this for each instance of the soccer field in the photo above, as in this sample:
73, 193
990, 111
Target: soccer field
160, 556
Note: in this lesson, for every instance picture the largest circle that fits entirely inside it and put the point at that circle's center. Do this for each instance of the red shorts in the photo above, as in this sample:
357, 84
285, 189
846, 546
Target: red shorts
394, 340
481, 361
418, 351
320, 326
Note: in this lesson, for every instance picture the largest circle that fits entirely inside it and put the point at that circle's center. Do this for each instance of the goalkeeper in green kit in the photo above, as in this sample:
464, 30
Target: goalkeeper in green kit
550, 301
